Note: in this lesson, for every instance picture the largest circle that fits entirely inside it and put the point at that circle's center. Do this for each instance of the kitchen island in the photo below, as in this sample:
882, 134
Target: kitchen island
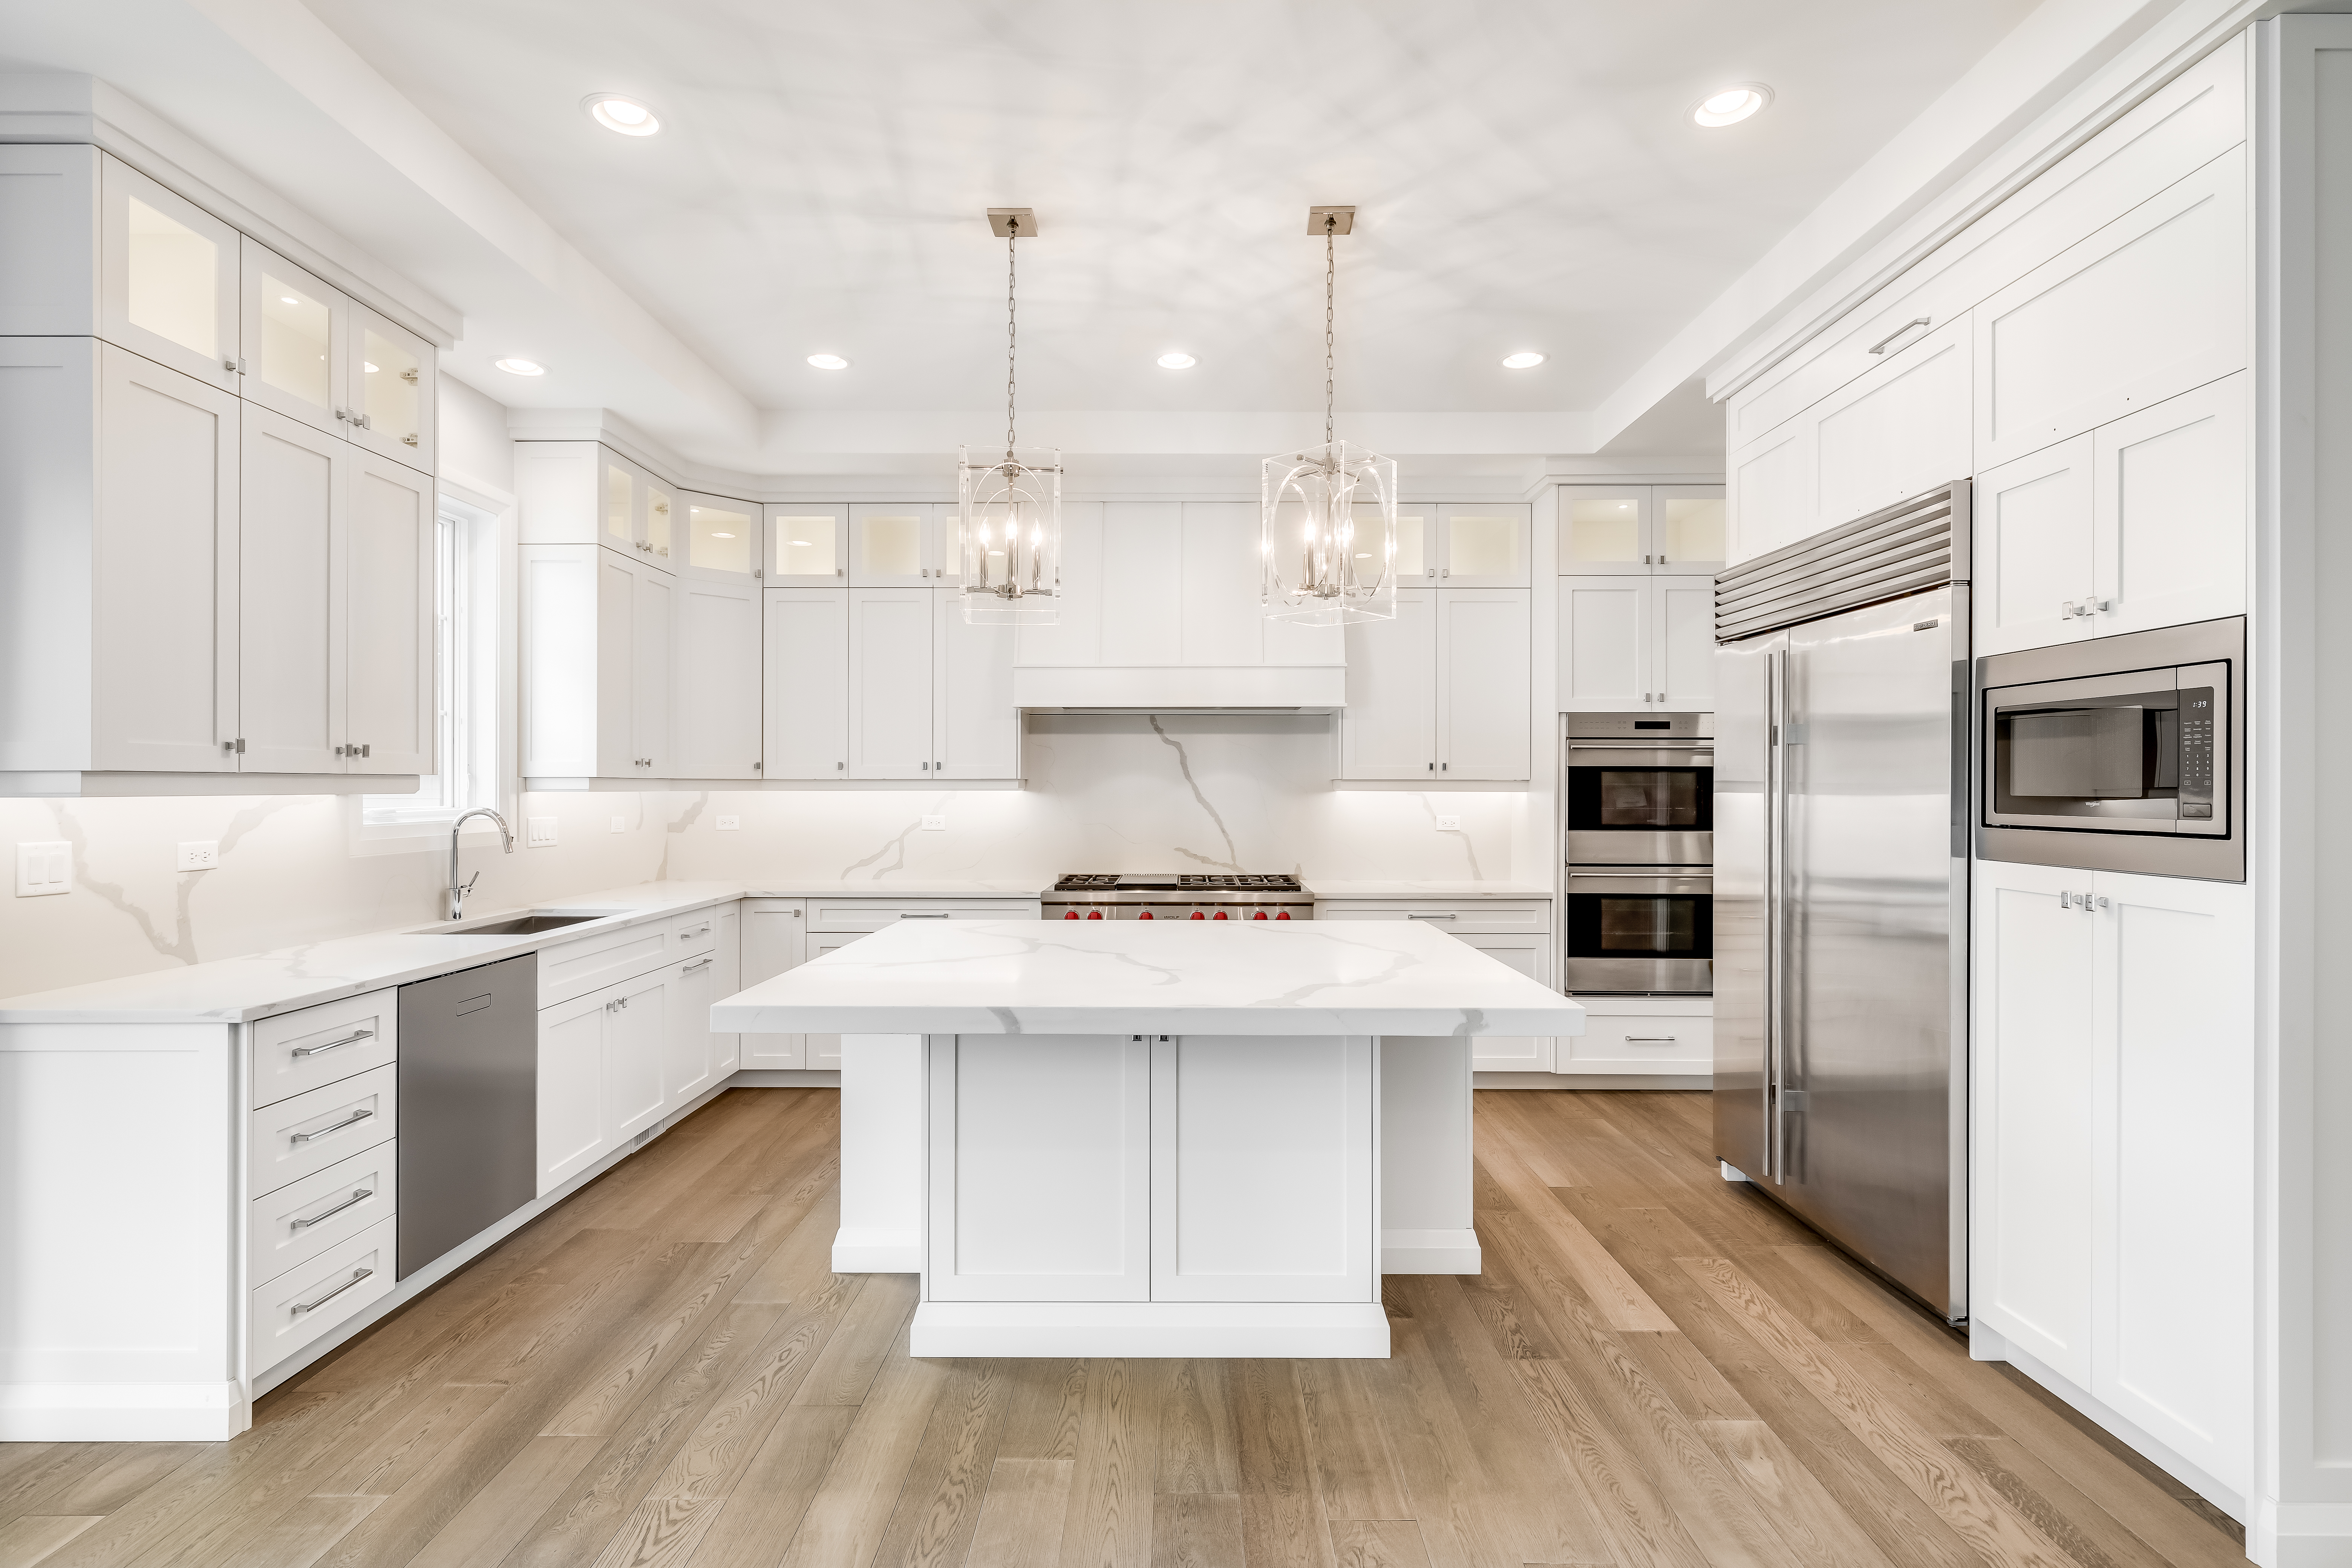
1123, 1139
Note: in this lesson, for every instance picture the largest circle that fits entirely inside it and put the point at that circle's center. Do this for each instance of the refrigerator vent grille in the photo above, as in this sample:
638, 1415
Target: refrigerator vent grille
1915, 545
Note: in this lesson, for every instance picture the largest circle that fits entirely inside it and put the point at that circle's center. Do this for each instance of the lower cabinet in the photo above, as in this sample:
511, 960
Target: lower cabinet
1664, 1036
2114, 1122
1510, 931
774, 939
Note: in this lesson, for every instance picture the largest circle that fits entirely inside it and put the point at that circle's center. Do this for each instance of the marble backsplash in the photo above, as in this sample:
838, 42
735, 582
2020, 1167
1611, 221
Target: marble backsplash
1104, 793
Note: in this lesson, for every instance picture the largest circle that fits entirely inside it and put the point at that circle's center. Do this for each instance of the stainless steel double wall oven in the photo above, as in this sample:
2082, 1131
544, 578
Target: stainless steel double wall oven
1640, 912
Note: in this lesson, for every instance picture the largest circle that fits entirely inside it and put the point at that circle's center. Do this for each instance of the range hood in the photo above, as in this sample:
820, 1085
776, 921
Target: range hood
1180, 688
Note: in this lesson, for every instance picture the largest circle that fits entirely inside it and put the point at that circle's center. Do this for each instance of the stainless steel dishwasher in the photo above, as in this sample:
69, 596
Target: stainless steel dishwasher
468, 1104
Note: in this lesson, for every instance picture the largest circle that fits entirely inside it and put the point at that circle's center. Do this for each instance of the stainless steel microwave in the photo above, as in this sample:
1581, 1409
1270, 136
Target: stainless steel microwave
2122, 754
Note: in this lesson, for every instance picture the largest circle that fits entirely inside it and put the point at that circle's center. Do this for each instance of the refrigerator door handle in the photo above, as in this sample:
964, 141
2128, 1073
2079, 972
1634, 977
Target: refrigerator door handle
1775, 791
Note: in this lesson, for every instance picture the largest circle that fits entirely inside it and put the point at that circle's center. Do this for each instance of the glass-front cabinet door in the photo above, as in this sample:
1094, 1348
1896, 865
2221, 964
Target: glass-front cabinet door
1604, 528
722, 538
893, 545
391, 390
1690, 527
1483, 546
617, 493
808, 546
169, 277
295, 335
661, 509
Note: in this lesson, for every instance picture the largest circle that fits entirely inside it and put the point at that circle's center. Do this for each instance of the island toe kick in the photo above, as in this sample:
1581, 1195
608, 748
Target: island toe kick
1151, 1196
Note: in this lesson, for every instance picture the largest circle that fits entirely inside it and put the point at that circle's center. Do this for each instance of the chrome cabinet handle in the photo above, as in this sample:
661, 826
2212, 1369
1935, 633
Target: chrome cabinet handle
1880, 346
699, 963
1430, 915
354, 1120
357, 1275
298, 1052
1651, 1039
359, 1196
938, 915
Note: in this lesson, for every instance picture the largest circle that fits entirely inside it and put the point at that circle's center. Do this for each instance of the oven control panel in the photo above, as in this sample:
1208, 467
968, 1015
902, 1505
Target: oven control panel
2198, 710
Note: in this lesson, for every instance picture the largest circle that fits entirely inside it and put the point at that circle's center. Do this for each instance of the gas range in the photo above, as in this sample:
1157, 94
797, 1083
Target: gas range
1179, 896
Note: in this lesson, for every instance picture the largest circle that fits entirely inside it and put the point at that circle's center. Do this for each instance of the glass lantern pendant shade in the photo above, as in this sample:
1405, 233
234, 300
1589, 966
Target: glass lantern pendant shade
1328, 514
1009, 509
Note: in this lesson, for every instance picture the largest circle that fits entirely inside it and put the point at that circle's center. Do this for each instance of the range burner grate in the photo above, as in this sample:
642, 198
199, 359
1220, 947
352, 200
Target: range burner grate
1280, 882
1088, 880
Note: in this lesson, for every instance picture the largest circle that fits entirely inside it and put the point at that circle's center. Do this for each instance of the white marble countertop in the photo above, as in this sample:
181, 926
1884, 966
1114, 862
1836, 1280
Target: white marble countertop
1436, 892
239, 990
1011, 977
917, 888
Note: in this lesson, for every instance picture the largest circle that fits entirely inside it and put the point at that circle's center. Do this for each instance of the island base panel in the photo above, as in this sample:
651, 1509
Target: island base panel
1287, 1330
1445, 1251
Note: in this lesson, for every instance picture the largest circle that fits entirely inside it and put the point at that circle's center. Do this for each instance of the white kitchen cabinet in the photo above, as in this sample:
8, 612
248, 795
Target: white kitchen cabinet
387, 604
1607, 529
776, 933
2114, 1125
719, 539
2139, 524
689, 1062
1531, 956
2148, 307
1390, 727
295, 341
291, 572
1484, 637
584, 492
975, 728
392, 390
715, 702
902, 545
168, 277
1515, 932
1630, 645
1670, 1036
635, 1024
807, 546
804, 686
727, 979
573, 1132
1772, 490
596, 657
822, 1052
1441, 692
890, 697
1468, 546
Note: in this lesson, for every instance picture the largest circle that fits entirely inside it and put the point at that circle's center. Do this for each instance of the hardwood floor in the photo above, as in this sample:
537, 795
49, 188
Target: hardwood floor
1657, 1370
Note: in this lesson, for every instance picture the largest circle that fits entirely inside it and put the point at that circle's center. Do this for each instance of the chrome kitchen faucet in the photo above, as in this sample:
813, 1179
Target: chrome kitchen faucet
458, 890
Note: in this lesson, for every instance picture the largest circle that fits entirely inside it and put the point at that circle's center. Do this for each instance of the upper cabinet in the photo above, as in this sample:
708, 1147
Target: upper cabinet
902, 545
1473, 546
168, 277
584, 492
721, 539
1641, 528
1440, 694
389, 400
808, 546
1636, 645
312, 354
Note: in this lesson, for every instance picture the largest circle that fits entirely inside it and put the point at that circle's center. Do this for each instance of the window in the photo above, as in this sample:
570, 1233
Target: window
464, 664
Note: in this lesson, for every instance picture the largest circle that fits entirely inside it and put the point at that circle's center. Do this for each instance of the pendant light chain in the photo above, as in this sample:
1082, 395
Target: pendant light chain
1012, 340
1331, 289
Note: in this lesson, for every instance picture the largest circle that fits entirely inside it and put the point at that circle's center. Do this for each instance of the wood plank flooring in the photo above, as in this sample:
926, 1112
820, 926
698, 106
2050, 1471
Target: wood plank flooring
1657, 1370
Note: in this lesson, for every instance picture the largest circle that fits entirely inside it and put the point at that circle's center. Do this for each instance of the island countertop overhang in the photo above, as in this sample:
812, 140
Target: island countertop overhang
1048, 977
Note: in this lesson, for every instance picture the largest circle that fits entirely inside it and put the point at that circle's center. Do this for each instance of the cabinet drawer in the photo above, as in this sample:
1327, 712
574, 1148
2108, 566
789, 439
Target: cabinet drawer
295, 1052
1497, 917
697, 932
873, 914
572, 969
1638, 1045
302, 1219
298, 1137
306, 1302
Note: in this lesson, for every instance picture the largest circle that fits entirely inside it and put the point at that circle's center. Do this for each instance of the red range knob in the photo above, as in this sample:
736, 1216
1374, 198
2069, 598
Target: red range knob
1069, 915
1094, 914
1144, 916
1282, 916
1220, 914
1259, 916
1196, 914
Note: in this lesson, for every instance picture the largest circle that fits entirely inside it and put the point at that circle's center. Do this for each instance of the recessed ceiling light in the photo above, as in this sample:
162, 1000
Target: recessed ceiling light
287, 300
1732, 105
625, 115
1522, 361
1177, 361
828, 362
519, 367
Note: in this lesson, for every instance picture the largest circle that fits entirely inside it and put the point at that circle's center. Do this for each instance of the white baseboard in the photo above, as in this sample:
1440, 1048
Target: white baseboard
1989, 1344
2300, 1534
1286, 1329
122, 1412
878, 1251
1645, 1080
785, 1078
1430, 1252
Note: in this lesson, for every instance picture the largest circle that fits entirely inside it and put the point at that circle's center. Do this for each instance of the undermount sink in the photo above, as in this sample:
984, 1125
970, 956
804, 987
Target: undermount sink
515, 925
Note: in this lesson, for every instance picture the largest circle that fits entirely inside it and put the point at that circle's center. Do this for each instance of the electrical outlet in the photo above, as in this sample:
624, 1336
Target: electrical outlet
620, 824
44, 868
728, 824
200, 854
542, 831
935, 824
1449, 825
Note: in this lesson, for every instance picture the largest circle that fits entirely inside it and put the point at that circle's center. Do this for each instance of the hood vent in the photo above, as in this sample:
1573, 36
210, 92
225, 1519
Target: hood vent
1180, 688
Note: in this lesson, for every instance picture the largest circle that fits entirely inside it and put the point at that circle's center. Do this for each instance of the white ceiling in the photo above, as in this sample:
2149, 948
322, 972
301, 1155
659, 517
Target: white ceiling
1524, 170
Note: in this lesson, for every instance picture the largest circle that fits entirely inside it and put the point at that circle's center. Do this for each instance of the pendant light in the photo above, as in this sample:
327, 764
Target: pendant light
1009, 510
1328, 514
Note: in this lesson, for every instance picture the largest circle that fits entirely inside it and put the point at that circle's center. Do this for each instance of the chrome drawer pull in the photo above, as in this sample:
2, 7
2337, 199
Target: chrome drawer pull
1430, 915
939, 916
298, 1052
359, 1196
354, 1120
699, 963
1650, 1039
1880, 346
357, 1275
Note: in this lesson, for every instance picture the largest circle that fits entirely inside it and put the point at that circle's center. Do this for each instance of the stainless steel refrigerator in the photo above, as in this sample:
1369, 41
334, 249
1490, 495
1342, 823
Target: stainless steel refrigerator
1841, 785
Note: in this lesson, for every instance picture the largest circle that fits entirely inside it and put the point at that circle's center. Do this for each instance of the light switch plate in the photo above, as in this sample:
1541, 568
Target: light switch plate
1449, 825
44, 868
620, 824
728, 824
542, 831
199, 855
935, 824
